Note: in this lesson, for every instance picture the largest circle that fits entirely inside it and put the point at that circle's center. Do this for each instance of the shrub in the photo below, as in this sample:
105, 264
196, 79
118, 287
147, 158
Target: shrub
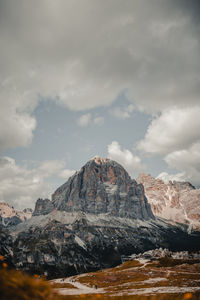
18, 286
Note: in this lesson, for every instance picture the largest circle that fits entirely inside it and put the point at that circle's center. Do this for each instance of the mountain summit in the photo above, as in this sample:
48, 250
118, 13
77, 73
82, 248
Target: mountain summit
103, 186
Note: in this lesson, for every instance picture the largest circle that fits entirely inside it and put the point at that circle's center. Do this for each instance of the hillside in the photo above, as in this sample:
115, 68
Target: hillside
165, 278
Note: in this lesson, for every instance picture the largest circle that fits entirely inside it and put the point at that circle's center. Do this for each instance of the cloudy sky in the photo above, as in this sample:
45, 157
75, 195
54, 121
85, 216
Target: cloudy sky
112, 78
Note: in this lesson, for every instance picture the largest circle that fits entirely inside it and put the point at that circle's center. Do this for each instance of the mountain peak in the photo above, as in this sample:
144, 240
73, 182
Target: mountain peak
103, 186
100, 160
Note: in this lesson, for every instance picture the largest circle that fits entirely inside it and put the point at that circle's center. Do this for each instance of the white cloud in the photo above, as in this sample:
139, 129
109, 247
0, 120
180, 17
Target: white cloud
20, 186
84, 120
16, 122
50, 167
188, 161
174, 129
171, 177
122, 112
175, 134
130, 162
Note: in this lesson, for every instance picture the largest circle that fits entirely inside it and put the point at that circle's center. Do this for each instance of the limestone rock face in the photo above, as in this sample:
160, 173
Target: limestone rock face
177, 201
103, 186
43, 207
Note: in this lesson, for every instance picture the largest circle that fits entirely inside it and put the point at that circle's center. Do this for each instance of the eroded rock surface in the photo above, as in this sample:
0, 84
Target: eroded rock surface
177, 201
43, 207
103, 186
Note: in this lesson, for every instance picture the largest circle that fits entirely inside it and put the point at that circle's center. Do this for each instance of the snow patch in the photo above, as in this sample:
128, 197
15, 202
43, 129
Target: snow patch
80, 242
154, 280
159, 290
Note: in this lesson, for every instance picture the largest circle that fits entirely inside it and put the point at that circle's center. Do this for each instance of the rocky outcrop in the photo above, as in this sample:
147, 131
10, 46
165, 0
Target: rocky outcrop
43, 207
11, 217
177, 201
156, 254
103, 186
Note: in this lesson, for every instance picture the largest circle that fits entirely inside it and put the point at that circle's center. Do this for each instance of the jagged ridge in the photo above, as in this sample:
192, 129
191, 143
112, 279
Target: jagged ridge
177, 201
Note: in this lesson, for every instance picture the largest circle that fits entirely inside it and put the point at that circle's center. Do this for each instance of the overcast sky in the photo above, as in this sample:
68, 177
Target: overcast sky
81, 78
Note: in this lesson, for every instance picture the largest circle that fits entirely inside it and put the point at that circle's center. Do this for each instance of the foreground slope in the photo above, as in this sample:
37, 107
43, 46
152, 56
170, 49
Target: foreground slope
165, 278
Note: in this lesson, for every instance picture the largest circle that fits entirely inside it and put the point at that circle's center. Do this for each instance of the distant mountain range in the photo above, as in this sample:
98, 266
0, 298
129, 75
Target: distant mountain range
10, 216
93, 219
176, 201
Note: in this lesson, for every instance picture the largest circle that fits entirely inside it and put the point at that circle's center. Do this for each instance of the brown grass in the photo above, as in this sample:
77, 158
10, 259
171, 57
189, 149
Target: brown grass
58, 285
170, 262
107, 279
128, 264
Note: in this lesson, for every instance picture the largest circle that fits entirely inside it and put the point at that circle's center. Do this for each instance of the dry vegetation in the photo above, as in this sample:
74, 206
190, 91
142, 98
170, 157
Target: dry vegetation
170, 262
119, 282
18, 286
57, 285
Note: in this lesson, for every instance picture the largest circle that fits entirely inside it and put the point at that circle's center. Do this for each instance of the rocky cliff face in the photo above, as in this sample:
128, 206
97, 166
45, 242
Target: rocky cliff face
43, 207
103, 186
177, 201
10, 216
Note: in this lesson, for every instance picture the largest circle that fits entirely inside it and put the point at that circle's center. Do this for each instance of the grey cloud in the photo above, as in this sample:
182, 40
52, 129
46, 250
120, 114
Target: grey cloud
83, 54
191, 8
